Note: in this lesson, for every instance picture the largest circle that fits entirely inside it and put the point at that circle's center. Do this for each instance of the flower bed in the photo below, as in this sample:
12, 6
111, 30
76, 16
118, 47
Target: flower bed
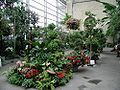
78, 59
44, 67
47, 75
29, 76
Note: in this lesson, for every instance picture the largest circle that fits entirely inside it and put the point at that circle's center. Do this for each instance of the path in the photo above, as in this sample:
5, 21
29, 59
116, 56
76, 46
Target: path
104, 76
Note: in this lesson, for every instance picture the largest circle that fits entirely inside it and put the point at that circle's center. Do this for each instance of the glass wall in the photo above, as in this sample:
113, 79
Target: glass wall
49, 11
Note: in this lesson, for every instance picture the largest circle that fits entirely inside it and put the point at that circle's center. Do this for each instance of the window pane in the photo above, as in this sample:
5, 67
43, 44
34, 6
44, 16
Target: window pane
51, 21
52, 7
41, 19
41, 13
53, 2
39, 1
23, 1
37, 5
51, 12
51, 17
41, 24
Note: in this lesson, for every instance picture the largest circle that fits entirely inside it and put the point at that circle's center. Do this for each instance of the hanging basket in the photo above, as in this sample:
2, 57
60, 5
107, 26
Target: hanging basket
73, 24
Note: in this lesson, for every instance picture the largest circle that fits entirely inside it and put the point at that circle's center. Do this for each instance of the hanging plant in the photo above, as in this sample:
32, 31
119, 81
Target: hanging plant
73, 23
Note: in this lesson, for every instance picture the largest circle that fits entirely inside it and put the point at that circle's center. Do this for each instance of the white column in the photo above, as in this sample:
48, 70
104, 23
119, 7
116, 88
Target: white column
45, 13
28, 4
57, 12
70, 7
0, 61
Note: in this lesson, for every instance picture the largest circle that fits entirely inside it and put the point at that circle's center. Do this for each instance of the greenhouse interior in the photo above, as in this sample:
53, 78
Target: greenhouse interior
59, 44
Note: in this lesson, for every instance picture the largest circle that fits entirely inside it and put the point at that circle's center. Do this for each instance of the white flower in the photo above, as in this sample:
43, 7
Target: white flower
26, 47
37, 47
9, 48
23, 62
19, 69
43, 64
47, 64
45, 48
40, 42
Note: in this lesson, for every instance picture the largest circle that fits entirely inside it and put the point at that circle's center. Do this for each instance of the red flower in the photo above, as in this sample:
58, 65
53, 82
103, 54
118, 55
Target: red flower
37, 71
76, 61
61, 75
71, 57
87, 58
75, 57
32, 72
27, 75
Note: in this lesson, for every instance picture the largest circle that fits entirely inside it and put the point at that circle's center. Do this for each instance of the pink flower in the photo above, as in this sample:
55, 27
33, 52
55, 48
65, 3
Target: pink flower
19, 63
71, 52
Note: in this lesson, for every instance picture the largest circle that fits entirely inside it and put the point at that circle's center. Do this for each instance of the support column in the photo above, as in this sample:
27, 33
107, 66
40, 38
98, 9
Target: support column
28, 4
0, 61
57, 6
70, 7
45, 13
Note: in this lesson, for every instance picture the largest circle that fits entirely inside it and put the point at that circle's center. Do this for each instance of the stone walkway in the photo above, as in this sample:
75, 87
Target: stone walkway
104, 76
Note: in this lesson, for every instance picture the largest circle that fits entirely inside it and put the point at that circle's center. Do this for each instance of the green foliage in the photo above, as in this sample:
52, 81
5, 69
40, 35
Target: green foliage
88, 13
10, 73
27, 83
15, 20
53, 45
108, 6
46, 83
75, 39
51, 26
52, 34
66, 18
14, 78
4, 27
63, 82
46, 58
90, 21
95, 38
112, 19
43, 85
